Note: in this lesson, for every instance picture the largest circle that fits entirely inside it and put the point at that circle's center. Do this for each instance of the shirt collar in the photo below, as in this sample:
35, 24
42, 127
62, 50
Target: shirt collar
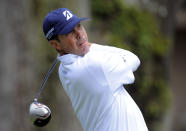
70, 58
67, 59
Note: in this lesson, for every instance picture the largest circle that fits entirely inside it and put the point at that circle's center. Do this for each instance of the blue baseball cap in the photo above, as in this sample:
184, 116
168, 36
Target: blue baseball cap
59, 22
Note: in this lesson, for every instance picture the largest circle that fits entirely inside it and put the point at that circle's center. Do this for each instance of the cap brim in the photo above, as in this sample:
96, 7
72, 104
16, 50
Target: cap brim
71, 25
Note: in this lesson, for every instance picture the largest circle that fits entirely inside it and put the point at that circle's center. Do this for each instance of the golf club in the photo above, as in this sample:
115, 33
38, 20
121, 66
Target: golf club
40, 114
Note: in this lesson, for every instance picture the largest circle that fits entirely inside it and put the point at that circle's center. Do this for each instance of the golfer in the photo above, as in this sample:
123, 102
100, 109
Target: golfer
93, 75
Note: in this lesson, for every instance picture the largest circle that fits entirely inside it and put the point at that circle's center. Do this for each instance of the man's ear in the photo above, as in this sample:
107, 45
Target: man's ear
55, 44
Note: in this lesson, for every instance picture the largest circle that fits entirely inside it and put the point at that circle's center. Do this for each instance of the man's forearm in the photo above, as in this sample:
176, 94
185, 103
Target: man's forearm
128, 57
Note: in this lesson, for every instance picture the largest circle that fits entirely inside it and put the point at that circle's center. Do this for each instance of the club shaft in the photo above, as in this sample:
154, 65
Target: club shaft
45, 79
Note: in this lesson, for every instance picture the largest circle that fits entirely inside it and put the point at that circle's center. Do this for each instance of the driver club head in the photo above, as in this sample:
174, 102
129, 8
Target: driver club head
40, 114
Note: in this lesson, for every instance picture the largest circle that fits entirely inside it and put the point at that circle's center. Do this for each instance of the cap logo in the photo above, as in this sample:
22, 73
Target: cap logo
67, 14
50, 33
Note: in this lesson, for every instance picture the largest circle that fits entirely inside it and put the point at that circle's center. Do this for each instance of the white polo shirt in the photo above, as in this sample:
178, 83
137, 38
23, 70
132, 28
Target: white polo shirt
94, 83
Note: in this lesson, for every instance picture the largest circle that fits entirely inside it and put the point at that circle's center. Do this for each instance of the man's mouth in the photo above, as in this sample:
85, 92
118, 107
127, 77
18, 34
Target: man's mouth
81, 42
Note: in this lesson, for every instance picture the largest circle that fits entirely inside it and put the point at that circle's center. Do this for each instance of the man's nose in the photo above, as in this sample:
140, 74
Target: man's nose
78, 33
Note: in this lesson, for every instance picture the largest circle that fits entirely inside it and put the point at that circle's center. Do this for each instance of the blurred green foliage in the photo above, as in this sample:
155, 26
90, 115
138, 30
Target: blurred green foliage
137, 30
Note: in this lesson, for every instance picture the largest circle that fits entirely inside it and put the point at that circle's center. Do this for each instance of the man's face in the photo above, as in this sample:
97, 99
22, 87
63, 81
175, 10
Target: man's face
76, 42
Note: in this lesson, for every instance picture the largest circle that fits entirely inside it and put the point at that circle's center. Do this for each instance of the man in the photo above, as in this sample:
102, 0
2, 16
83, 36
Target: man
93, 75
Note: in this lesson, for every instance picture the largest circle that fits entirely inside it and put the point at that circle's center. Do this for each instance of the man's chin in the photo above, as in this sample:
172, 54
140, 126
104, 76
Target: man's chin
85, 49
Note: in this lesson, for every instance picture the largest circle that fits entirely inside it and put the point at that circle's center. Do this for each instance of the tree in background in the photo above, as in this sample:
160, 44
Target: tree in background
137, 30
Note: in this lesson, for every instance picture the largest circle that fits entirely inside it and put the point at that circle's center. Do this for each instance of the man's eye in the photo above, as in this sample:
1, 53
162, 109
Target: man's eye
79, 25
72, 32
